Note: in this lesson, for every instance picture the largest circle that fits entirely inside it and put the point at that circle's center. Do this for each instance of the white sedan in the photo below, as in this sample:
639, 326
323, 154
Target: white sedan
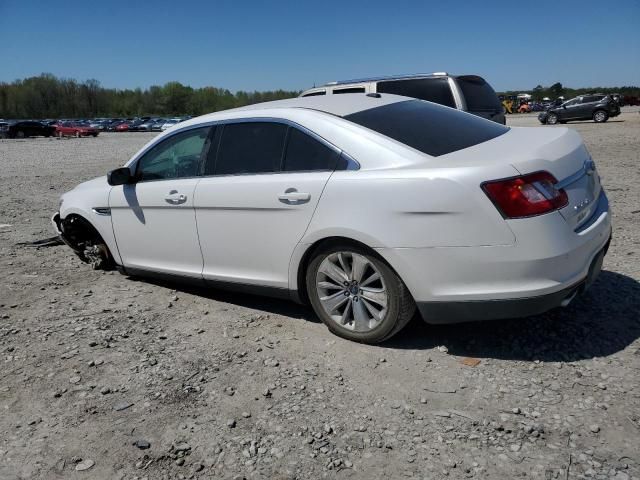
365, 206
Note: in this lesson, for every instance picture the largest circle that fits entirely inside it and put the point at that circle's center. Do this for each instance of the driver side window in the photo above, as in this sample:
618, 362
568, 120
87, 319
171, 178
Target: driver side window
176, 157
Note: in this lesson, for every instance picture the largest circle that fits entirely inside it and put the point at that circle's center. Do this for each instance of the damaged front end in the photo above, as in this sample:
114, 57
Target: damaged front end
84, 240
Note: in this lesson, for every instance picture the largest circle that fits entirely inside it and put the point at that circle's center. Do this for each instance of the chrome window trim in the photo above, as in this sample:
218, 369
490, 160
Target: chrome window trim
352, 164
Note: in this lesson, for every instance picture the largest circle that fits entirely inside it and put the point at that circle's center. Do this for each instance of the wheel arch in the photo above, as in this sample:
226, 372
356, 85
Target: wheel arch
299, 268
94, 224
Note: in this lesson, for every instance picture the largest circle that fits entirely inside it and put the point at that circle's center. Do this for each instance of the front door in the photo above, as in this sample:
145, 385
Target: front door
257, 199
154, 219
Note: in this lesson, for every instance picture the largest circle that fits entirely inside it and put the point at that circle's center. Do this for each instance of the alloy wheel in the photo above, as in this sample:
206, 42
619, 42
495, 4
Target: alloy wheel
352, 291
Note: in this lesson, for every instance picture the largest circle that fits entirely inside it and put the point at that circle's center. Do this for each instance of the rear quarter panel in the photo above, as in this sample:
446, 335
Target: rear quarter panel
411, 208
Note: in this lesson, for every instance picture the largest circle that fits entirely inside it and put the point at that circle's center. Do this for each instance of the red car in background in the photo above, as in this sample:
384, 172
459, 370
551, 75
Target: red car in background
70, 129
123, 127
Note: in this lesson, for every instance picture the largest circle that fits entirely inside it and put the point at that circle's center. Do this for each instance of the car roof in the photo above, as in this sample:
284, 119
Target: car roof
387, 77
340, 105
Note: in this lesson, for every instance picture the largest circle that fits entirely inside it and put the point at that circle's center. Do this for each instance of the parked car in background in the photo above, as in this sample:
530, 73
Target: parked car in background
149, 124
122, 127
75, 129
597, 107
469, 93
157, 126
169, 123
27, 128
366, 207
134, 125
100, 124
114, 123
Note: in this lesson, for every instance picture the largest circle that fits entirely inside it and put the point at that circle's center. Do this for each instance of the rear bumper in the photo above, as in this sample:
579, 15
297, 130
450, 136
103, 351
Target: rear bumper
470, 311
548, 264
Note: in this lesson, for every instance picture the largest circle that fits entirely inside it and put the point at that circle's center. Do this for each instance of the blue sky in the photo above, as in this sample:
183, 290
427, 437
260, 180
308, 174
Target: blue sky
247, 45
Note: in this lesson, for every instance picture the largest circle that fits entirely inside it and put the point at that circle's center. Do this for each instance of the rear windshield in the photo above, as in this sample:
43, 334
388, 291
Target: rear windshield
478, 94
428, 127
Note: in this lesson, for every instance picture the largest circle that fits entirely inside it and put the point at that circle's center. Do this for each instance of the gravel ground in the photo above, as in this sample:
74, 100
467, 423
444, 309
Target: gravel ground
104, 376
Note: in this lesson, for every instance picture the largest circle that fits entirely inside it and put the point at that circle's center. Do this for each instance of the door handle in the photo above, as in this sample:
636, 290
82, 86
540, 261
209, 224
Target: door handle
175, 198
291, 195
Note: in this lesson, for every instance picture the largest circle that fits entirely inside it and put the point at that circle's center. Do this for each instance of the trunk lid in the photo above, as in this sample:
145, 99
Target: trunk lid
558, 150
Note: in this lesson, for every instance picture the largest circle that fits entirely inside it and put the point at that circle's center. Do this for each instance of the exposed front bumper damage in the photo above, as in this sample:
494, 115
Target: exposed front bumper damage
57, 226
72, 243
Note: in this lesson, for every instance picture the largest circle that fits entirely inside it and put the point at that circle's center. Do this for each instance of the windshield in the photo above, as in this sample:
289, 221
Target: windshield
478, 94
428, 127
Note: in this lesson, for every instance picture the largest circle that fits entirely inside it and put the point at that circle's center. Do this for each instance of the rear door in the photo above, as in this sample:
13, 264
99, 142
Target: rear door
256, 200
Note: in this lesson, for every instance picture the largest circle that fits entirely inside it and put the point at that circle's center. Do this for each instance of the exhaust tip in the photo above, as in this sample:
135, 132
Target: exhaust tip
569, 298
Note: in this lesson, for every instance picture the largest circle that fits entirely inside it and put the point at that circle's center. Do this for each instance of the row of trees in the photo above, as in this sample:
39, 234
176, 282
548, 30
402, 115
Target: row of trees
558, 90
47, 96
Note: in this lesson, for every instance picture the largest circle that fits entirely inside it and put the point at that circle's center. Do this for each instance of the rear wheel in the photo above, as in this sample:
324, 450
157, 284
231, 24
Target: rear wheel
357, 295
600, 116
552, 119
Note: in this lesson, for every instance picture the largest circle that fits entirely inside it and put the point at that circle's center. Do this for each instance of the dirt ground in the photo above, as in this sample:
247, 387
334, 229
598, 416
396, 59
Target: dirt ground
108, 377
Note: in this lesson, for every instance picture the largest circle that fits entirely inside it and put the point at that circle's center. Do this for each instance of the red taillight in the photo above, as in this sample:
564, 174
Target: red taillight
526, 196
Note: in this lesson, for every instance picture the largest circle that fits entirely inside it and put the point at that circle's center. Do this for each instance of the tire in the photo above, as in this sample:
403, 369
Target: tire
77, 134
352, 316
600, 116
552, 119
59, 134
20, 134
94, 135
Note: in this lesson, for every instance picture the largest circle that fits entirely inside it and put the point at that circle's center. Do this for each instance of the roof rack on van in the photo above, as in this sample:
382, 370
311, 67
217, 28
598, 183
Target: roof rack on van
388, 77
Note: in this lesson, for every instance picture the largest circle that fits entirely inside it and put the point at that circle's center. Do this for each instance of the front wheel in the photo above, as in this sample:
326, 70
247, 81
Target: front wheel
357, 295
552, 119
600, 116
20, 134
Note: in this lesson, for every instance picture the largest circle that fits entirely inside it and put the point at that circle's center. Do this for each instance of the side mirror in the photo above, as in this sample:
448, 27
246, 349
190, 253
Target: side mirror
120, 176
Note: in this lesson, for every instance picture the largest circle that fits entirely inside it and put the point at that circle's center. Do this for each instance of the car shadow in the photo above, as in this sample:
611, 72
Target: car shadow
601, 322
276, 306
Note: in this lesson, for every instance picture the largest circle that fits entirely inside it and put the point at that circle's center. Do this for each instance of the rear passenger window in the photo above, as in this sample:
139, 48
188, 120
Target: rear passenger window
348, 90
435, 90
252, 147
305, 153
